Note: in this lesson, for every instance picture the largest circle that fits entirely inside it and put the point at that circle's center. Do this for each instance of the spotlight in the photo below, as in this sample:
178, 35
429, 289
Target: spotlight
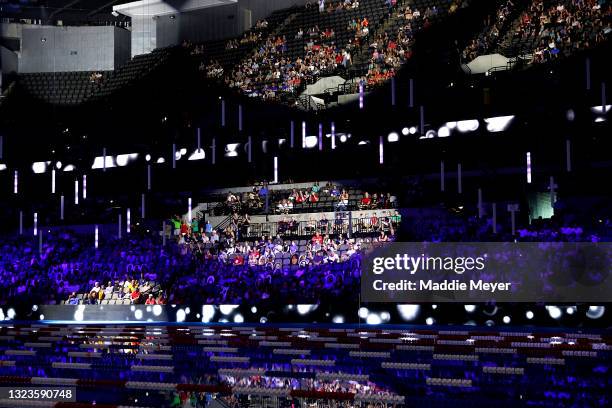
392, 137
408, 312
595, 312
305, 309
443, 132
405, 131
469, 125
554, 312
373, 319
227, 309
529, 315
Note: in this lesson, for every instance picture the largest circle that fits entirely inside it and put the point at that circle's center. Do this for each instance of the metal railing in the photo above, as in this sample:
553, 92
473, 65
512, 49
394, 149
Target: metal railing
342, 224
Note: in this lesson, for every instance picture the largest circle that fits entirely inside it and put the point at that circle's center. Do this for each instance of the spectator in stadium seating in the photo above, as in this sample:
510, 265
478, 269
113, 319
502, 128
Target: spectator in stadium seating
176, 223
150, 300
313, 197
135, 296
366, 201
344, 201
317, 238
73, 299
184, 228
94, 293
108, 291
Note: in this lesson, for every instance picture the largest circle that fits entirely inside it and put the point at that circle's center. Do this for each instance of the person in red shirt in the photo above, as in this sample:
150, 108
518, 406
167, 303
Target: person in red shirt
239, 260
184, 228
313, 198
300, 197
150, 300
135, 296
366, 201
317, 238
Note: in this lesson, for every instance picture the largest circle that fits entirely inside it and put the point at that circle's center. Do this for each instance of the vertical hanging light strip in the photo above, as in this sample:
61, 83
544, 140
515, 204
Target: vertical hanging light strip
53, 181
528, 167
84, 186
361, 94
76, 192
333, 136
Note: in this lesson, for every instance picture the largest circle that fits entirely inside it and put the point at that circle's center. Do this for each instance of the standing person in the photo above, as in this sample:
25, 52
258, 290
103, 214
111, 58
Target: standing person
195, 226
184, 228
176, 223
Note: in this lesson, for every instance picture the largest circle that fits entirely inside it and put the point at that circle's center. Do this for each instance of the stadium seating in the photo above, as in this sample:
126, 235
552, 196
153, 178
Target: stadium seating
540, 31
138, 67
62, 88
258, 363
219, 52
73, 88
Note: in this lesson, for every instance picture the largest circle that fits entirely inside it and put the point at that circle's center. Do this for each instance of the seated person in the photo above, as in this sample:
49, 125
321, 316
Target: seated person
344, 200
366, 200
108, 291
135, 296
313, 198
317, 238
334, 191
73, 299
150, 300
300, 198
94, 293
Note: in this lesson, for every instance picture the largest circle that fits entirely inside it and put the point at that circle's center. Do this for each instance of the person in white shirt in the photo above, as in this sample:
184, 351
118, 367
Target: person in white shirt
108, 291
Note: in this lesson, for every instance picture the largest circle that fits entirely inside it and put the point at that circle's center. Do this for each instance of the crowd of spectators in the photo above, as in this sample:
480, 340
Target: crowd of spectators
565, 27
69, 267
489, 37
228, 266
392, 48
311, 384
269, 72
330, 6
